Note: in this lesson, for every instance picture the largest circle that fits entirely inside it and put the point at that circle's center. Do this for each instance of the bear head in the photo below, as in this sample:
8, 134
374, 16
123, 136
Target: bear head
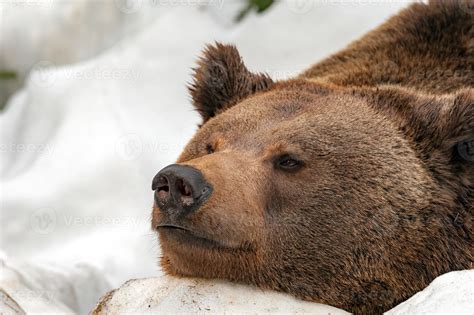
344, 196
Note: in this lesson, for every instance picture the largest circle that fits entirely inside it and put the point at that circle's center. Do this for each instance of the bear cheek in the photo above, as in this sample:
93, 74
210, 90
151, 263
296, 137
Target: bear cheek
235, 211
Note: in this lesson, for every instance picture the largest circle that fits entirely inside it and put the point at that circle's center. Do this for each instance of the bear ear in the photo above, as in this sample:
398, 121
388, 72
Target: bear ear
221, 80
441, 127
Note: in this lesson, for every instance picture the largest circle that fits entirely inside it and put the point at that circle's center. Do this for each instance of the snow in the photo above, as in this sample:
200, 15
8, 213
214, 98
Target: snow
35, 33
103, 108
168, 295
451, 293
38, 288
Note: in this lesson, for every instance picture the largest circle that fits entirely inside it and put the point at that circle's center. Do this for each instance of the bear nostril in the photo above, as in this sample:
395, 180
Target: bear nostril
184, 188
165, 188
180, 189
162, 189
163, 184
186, 193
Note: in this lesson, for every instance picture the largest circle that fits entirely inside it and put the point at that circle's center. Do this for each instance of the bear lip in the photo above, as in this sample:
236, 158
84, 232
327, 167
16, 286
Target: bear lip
172, 226
186, 236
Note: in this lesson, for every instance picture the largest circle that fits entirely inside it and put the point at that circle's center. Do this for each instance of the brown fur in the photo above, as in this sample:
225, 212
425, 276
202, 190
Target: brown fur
382, 203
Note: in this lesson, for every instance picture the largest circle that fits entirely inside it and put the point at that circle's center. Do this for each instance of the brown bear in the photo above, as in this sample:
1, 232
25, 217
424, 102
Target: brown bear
350, 185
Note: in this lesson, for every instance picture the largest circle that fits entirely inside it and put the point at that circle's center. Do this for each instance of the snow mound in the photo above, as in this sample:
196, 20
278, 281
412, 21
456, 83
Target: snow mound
40, 289
451, 293
36, 32
169, 295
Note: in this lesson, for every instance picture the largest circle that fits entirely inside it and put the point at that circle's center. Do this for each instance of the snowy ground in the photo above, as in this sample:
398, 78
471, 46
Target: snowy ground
451, 293
103, 107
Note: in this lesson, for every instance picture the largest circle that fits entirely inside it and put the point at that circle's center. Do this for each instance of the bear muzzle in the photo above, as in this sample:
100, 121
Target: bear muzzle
180, 190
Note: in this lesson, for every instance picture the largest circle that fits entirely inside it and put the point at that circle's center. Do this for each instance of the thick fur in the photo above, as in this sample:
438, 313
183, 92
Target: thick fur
428, 48
383, 202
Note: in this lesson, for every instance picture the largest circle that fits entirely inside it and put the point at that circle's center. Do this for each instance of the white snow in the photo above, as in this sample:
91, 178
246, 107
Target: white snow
50, 288
451, 293
103, 108
35, 33
169, 295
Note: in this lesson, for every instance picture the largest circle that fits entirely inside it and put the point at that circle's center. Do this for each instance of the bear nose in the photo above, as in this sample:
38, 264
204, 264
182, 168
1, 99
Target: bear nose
180, 189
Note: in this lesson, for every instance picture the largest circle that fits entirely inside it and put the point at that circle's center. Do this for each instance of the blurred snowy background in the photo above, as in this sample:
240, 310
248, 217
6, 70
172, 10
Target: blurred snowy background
95, 104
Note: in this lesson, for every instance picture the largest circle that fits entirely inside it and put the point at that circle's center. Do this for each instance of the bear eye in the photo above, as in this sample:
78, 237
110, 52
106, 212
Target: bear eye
210, 149
288, 163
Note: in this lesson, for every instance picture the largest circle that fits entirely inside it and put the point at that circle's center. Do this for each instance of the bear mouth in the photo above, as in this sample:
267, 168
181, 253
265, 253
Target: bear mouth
185, 236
